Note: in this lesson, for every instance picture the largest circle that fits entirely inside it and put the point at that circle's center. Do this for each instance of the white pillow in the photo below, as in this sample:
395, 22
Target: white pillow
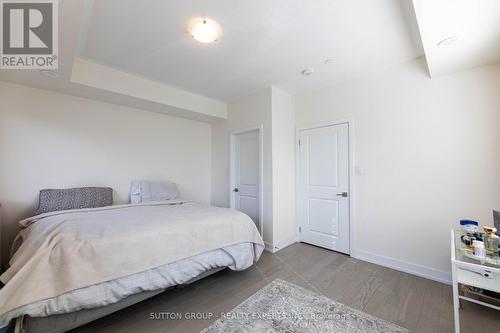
144, 191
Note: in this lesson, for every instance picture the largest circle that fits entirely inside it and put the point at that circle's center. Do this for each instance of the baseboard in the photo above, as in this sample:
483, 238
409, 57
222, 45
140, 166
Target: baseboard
407, 267
281, 245
269, 247
287, 242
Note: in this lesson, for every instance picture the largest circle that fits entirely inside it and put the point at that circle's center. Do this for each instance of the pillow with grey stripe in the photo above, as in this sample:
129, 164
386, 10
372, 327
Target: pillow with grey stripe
74, 198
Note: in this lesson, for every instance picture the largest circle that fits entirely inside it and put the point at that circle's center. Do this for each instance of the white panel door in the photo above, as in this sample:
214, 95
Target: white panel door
324, 187
246, 174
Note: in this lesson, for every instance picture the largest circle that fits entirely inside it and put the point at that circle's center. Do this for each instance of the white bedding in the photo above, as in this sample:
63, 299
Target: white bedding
236, 257
93, 257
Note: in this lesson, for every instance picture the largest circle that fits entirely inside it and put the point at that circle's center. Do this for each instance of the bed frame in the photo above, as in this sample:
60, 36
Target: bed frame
68, 321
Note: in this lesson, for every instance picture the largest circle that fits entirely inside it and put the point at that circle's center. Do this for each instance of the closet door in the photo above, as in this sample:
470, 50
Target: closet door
324, 187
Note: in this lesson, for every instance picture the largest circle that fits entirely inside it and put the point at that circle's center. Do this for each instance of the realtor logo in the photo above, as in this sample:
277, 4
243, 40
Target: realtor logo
29, 34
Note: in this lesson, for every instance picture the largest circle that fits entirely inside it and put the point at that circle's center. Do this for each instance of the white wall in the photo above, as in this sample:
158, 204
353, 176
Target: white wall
248, 112
283, 142
427, 153
52, 140
273, 109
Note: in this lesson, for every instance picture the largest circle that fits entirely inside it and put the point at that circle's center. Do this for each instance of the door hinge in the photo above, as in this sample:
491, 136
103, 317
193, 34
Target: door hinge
300, 229
299, 143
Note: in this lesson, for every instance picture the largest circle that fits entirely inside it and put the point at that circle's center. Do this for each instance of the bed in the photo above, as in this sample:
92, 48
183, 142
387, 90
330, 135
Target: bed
75, 266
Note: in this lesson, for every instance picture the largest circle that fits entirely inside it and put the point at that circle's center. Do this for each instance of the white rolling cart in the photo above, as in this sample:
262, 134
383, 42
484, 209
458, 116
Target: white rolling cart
466, 270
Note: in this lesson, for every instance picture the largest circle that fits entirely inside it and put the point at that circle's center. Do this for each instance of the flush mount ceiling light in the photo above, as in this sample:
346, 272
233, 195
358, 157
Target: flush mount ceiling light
307, 71
204, 30
48, 72
447, 41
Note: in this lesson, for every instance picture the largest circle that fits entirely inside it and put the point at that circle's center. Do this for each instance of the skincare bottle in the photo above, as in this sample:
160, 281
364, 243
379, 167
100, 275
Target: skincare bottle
479, 249
491, 241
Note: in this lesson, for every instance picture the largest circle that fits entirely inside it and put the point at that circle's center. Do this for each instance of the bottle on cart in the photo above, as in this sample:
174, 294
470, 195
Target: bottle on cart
491, 241
479, 250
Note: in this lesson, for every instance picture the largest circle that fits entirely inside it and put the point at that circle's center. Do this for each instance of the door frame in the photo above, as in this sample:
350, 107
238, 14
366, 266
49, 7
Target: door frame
232, 163
352, 218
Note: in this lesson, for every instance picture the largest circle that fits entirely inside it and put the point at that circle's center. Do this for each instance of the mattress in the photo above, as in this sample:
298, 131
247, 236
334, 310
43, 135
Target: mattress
99, 300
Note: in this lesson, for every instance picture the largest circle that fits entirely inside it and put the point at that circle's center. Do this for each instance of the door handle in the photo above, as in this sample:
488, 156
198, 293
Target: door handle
236, 190
343, 194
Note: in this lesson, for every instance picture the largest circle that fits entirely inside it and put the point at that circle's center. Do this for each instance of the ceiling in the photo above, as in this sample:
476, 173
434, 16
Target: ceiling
139, 54
474, 27
264, 42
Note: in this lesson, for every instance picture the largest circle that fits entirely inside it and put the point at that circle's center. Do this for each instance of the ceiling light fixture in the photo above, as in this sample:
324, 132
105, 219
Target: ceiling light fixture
307, 71
447, 41
204, 30
48, 72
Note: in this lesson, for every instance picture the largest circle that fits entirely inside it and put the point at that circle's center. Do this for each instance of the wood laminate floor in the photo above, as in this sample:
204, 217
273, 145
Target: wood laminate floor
416, 303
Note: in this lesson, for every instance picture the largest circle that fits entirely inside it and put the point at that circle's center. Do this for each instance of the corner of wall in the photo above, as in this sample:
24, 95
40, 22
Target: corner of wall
283, 145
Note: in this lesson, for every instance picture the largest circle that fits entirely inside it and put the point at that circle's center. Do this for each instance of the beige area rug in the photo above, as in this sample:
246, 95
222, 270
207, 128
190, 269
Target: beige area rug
284, 307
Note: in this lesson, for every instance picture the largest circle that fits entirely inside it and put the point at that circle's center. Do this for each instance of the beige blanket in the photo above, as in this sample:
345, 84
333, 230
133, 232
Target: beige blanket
64, 251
